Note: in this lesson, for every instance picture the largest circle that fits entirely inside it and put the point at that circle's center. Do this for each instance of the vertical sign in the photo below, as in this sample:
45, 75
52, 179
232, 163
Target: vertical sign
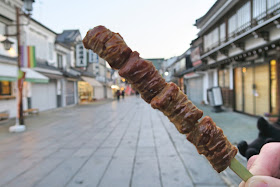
195, 57
92, 57
81, 54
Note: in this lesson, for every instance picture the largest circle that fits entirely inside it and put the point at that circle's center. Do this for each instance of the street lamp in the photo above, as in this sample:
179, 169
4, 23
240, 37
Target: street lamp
7, 44
19, 126
28, 5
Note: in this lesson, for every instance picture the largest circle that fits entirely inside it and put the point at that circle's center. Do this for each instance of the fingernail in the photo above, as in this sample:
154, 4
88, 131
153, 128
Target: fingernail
257, 183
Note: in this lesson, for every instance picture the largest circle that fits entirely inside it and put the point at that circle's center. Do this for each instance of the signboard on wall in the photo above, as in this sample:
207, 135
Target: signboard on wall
92, 57
195, 57
81, 54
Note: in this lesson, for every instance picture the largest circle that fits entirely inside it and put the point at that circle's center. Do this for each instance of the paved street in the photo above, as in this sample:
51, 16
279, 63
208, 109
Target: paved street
119, 144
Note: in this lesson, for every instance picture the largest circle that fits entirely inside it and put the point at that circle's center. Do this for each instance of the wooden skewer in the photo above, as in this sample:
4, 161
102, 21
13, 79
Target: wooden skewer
240, 170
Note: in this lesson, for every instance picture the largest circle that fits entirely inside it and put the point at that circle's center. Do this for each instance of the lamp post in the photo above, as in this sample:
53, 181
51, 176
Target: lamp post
19, 126
7, 44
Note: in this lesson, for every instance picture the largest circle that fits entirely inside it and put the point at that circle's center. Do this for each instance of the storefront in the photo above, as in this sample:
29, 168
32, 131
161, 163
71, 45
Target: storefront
194, 87
96, 87
224, 81
85, 91
70, 92
8, 77
70, 87
256, 88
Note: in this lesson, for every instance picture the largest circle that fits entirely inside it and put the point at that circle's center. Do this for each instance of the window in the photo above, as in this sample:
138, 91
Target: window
243, 17
232, 22
211, 39
222, 29
5, 88
215, 37
273, 5
59, 61
68, 59
259, 9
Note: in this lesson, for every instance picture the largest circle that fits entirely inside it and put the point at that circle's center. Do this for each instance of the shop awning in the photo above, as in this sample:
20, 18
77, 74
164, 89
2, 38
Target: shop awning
34, 76
8, 72
92, 81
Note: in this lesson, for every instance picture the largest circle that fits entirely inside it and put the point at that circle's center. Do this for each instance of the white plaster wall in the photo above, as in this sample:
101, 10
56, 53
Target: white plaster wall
42, 39
211, 61
63, 89
109, 93
234, 51
254, 42
205, 86
274, 34
8, 105
215, 77
231, 80
98, 92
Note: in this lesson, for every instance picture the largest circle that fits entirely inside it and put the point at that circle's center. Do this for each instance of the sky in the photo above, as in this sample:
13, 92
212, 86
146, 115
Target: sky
154, 28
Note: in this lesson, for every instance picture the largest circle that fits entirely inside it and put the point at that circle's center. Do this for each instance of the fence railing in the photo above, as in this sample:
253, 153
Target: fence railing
247, 26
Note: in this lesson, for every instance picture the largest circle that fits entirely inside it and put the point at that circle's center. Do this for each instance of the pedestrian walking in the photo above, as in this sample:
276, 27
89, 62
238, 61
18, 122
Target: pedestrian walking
123, 93
118, 94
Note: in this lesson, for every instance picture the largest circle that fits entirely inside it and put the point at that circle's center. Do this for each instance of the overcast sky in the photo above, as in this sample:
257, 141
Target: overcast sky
154, 28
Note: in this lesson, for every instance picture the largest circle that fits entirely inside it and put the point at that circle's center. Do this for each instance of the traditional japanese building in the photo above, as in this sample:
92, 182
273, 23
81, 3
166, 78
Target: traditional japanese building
240, 45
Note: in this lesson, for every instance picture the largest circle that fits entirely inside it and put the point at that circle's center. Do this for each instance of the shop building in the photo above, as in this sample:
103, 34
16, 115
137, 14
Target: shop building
240, 54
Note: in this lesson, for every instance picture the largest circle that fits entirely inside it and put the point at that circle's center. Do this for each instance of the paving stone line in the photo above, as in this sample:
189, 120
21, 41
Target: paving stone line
71, 182
73, 132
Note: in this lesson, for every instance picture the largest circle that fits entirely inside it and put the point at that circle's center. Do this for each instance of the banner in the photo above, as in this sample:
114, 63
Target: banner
81, 54
28, 56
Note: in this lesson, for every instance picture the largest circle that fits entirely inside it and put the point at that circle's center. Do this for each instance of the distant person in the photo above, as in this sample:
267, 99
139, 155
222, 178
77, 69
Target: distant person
265, 167
137, 94
123, 94
118, 94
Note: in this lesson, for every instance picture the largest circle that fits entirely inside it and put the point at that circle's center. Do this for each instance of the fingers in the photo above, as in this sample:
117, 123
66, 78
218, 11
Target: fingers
267, 162
251, 161
242, 184
262, 181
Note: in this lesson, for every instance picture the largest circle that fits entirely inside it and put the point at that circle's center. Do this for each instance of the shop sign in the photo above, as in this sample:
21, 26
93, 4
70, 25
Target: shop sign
195, 56
92, 57
81, 53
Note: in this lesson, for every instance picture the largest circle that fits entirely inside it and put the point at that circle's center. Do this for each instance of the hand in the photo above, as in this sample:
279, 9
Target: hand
265, 167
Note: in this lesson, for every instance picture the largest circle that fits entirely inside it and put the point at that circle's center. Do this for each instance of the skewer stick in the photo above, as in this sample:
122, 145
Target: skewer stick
240, 170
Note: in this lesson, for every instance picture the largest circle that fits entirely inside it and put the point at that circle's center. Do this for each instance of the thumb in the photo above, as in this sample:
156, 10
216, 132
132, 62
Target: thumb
263, 181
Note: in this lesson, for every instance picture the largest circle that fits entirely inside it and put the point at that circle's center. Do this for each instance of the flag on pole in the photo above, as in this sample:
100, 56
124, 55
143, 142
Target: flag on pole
28, 56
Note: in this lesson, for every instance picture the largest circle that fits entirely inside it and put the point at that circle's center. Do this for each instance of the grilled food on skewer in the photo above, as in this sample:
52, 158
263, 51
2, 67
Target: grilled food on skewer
166, 97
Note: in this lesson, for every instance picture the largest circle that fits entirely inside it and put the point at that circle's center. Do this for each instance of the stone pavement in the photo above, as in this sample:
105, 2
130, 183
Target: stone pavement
124, 143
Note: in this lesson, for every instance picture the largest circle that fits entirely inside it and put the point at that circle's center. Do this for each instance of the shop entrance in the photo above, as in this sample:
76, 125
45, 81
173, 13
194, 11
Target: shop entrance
252, 89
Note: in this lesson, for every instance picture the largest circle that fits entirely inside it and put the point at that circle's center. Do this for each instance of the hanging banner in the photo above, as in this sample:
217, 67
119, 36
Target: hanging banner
81, 53
28, 56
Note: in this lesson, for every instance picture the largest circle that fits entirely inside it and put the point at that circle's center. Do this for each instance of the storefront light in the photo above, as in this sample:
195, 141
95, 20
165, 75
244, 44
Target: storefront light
115, 87
273, 62
244, 70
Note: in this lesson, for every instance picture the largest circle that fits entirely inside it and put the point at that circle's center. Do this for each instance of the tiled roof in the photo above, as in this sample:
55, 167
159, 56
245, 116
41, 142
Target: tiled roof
68, 36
